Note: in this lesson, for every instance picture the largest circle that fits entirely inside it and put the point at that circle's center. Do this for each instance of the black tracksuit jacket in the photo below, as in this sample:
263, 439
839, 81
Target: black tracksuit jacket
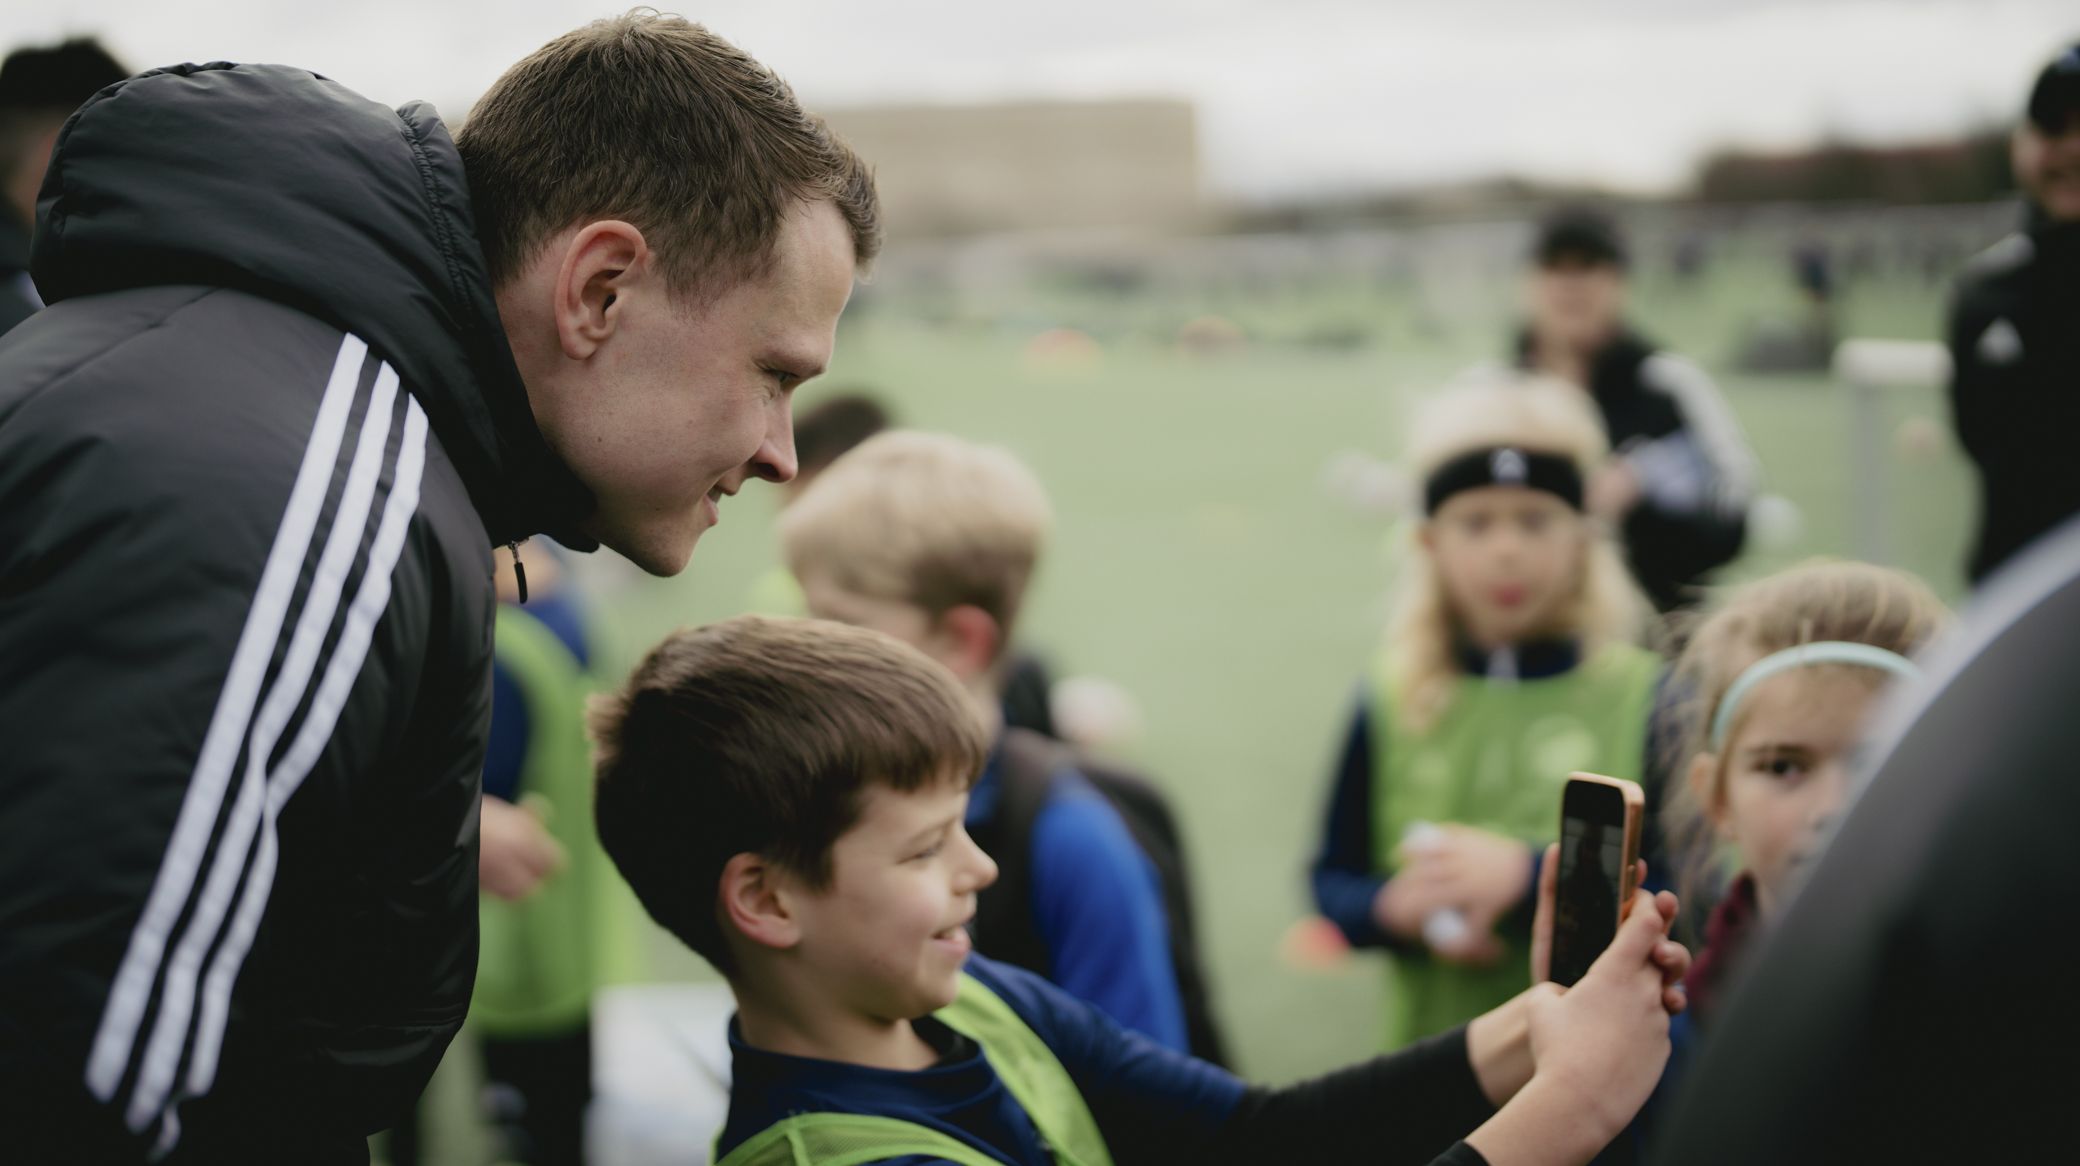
2014, 334
254, 458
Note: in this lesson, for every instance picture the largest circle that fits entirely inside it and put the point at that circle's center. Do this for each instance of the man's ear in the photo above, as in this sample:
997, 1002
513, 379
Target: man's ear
1426, 536
970, 639
756, 898
600, 264
1704, 786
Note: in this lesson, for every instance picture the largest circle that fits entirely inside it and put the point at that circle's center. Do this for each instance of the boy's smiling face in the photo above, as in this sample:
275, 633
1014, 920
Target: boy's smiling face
887, 937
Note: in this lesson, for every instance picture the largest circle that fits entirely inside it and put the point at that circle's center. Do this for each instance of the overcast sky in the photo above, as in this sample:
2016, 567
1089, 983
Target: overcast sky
1294, 96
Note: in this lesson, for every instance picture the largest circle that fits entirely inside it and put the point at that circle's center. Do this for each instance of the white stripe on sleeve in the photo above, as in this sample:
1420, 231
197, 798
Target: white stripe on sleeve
131, 989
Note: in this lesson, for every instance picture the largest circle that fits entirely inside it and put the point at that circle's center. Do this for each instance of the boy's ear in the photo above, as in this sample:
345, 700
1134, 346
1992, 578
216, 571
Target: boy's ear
1426, 536
755, 897
1704, 786
970, 639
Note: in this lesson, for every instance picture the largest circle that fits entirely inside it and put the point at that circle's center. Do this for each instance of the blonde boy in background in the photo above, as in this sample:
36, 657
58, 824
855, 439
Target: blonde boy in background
934, 540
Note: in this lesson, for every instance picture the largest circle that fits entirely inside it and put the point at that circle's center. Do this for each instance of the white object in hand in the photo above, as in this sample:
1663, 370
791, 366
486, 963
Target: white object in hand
1446, 926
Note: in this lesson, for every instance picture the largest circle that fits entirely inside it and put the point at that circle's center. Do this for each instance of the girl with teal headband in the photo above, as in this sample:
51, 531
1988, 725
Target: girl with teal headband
1783, 675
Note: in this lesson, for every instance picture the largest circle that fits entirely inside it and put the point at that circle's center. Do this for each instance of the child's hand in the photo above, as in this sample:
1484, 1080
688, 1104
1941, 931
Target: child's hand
1604, 1041
1475, 872
515, 852
1671, 957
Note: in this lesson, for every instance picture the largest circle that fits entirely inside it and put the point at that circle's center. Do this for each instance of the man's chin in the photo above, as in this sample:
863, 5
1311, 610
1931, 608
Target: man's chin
661, 555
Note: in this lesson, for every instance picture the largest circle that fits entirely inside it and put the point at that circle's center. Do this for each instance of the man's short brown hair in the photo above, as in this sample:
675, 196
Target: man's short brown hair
760, 735
661, 123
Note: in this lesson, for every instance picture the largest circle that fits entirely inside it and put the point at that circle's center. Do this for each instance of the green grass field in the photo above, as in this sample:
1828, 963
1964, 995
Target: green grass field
1200, 562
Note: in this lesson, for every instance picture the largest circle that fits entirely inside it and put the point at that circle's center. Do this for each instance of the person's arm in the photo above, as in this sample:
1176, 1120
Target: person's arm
1099, 909
1156, 1105
204, 618
1974, 411
1411, 1106
1345, 876
516, 853
1694, 486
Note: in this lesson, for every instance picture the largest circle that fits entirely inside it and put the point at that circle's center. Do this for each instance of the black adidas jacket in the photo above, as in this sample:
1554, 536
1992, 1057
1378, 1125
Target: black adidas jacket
254, 458
1697, 476
2015, 385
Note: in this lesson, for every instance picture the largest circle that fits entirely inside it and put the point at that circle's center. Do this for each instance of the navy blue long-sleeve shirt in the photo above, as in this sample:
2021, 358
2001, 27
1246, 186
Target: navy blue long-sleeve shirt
1152, 1104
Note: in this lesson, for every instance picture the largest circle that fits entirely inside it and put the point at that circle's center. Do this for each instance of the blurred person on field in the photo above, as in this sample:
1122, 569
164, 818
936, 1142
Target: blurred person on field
39, 89
1682, 477
824, 434
1511, 659
2014, 336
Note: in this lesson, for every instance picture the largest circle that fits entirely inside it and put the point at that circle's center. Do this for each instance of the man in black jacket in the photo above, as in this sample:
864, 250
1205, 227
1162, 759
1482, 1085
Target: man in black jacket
39, 89
307, 361
2015, 336
1682, 478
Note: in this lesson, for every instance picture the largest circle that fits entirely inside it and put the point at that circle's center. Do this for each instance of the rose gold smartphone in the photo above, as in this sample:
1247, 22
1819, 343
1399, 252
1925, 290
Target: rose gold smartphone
1599, 853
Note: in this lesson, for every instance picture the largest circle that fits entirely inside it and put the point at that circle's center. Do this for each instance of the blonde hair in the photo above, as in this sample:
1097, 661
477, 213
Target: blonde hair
1535, 413
1818, 601
924, 519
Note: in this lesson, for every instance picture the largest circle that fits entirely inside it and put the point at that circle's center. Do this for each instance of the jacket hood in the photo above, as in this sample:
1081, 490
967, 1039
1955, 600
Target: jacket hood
281, 183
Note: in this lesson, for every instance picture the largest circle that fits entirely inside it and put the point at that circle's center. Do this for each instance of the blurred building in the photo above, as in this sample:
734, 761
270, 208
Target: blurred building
1031, 166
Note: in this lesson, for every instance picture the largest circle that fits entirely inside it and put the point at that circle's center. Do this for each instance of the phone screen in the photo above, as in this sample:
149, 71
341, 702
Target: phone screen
1592, 870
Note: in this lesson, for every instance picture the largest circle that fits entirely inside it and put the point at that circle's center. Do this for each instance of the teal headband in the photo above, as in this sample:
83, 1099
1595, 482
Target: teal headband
1803, 656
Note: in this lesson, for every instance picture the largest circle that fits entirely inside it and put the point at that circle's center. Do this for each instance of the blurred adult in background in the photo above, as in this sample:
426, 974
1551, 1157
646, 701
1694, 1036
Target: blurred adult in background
39, 89
1681, 476
308, 360
2015, 336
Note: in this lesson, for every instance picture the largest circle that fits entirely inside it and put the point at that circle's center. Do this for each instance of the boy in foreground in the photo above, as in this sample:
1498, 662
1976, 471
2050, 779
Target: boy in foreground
787, 796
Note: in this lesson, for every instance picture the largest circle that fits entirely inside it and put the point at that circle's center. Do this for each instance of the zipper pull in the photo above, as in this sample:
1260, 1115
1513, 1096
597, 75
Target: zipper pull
519, 572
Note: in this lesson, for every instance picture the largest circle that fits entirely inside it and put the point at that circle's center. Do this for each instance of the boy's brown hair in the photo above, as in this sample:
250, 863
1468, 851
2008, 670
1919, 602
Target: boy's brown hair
760, 735
923, 519
659, 122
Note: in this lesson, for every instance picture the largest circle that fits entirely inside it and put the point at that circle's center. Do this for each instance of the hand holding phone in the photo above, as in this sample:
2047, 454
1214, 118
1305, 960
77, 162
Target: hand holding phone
1599, 863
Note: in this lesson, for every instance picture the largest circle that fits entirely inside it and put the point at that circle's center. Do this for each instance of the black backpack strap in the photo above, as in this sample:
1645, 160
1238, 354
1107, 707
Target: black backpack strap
1146, 811
1004, 929
1030, 766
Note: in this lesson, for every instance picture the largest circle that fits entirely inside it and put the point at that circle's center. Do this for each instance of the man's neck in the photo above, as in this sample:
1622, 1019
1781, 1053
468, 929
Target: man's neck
823, 1030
